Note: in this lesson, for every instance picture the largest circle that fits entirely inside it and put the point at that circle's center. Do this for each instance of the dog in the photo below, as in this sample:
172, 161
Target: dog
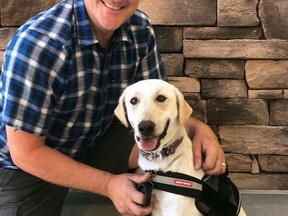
157, 112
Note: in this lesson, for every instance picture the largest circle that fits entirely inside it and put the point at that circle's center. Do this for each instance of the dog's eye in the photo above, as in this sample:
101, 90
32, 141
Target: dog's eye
134, 101
161, 98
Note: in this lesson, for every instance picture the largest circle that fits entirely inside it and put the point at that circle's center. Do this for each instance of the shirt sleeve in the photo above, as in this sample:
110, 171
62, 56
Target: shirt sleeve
31, 80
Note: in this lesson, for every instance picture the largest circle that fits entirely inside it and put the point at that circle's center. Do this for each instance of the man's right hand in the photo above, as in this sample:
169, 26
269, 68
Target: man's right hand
121, 189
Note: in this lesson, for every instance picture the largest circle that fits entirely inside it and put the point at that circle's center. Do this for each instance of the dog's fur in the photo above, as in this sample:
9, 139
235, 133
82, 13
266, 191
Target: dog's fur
160, 102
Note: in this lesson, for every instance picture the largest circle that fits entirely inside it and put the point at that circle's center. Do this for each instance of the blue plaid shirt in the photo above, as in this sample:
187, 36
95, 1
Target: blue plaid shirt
57, 81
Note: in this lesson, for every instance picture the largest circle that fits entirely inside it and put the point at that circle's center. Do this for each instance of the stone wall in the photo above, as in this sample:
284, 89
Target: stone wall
230, 59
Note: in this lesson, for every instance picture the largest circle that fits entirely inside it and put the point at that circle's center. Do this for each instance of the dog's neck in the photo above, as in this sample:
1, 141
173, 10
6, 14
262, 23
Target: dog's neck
165, 152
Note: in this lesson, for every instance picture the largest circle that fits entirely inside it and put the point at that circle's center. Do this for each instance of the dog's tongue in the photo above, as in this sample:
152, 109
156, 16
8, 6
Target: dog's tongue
148, 144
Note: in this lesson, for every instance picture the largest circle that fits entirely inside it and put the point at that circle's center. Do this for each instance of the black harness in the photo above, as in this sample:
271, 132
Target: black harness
214, 195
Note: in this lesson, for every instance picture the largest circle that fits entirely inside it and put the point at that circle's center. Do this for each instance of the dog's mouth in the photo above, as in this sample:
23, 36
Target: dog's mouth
153, 143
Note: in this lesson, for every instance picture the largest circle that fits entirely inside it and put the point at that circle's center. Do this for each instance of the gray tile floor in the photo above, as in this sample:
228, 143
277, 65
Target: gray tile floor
255, 203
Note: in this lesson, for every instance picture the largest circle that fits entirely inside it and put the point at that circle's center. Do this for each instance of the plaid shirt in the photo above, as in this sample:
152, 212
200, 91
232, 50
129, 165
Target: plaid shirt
58, 81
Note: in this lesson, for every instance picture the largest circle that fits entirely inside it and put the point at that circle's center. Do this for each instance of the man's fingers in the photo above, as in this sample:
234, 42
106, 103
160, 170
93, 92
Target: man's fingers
215, 164
140, 178
210, 161
137, 197
125, 196
216, 170
197, 155
139, 210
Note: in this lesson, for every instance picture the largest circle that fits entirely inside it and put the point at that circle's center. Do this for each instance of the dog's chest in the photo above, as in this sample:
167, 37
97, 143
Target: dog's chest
166, 203
171, 204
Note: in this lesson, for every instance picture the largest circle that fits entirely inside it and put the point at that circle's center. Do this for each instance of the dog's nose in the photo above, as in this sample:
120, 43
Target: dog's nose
146, 128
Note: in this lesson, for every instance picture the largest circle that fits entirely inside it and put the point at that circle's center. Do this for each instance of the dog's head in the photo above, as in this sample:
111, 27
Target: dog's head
154, 109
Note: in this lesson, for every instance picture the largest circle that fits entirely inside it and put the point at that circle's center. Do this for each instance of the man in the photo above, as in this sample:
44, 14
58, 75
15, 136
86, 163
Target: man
63, 73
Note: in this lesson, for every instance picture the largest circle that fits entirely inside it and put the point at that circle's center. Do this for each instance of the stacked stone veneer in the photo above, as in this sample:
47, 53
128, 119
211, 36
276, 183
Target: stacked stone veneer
230, 59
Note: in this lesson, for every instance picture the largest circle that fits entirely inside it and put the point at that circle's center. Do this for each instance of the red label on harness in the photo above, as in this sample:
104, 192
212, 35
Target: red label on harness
183, 183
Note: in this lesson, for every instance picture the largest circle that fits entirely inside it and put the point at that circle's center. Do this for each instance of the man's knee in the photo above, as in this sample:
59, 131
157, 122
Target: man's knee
25, 194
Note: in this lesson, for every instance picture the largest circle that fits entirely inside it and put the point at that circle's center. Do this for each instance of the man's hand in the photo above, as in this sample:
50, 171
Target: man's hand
122, 191
207, 151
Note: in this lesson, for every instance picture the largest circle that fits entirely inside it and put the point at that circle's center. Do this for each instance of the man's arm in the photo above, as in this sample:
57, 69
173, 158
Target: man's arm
30, 153
207, 151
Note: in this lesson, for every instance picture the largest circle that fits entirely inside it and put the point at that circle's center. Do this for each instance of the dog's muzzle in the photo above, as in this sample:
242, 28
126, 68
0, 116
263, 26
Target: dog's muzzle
146, 128
148, 141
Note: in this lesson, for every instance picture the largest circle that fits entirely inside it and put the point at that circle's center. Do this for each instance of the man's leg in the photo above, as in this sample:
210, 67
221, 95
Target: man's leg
115, 151
26, 195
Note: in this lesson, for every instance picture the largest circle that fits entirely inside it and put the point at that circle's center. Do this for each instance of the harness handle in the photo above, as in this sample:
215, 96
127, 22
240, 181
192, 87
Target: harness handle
145, 188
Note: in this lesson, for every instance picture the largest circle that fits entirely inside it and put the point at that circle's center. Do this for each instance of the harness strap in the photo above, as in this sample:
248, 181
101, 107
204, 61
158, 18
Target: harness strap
221, 199
215, 195
177, 183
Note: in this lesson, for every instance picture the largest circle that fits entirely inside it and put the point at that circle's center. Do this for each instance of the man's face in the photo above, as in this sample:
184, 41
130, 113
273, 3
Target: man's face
108, 15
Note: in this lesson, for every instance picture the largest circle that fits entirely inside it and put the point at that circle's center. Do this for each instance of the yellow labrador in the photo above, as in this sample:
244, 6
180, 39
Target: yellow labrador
157, 112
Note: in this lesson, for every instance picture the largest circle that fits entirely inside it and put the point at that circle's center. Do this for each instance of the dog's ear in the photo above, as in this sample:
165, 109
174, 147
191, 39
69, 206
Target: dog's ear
120, 110
184, 109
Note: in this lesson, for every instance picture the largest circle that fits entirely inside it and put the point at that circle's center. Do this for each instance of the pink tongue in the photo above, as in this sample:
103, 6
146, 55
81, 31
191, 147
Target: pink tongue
148, 144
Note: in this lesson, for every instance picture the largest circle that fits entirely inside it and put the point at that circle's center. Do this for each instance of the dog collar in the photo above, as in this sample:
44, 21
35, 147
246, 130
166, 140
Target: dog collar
171, 149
